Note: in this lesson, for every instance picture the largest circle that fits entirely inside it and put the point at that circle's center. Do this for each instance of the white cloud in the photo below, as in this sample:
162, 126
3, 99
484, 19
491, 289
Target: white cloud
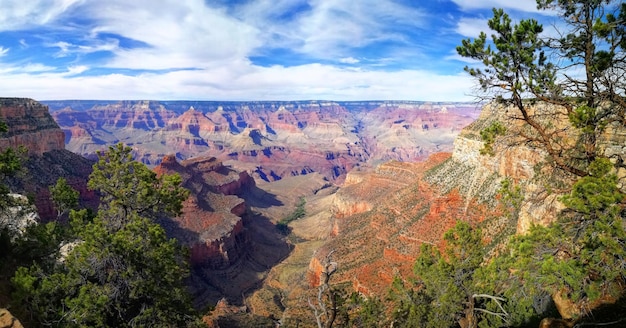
331, 28
35, 68
471, 27
349, 60
18, 14
3, 51
205, 51
177, 34
74, 70
522, 5
313, 81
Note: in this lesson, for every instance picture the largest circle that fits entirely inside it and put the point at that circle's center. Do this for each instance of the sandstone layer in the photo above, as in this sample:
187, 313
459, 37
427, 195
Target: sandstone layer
271, 140
211, 220
231, 248
31, 127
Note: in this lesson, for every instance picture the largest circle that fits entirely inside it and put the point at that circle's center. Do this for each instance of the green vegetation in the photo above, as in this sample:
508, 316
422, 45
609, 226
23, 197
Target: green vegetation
114, 269
489, 135
565, 93
579, 260
64, 197
298, 213
523, 69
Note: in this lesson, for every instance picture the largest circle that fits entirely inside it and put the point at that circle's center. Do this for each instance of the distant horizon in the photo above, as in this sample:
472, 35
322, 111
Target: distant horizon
253, 50
259, 101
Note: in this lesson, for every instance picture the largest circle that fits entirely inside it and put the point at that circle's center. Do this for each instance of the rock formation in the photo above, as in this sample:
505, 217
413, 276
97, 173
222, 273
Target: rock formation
212, 215
271, 140
7, 320
31, 126
223, 237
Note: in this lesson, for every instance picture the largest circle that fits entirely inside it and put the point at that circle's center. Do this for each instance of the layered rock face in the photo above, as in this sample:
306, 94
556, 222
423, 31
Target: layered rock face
272, 140
32, 127
231, 249
211, 220
380, 219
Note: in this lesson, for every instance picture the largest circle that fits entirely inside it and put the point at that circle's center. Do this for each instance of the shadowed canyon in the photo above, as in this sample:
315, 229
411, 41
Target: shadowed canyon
374, 181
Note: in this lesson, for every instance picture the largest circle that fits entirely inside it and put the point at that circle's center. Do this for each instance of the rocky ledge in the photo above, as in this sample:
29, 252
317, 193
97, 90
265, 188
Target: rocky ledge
30, 125
211, 221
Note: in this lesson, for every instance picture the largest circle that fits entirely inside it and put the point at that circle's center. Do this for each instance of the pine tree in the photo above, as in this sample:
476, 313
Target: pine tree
580, 258
120, 269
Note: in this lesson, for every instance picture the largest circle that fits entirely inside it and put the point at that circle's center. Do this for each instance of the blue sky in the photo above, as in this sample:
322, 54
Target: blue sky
242, 50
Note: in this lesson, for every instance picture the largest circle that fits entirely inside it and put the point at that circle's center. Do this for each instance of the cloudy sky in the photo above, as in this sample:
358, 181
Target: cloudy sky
241, 49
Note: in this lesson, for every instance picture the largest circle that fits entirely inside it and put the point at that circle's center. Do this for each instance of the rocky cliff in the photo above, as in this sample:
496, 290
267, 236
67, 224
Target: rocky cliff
212, 215
271, 140
380, 219
221, 234
32, 127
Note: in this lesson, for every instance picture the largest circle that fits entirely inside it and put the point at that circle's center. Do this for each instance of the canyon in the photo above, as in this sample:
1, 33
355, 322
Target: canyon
378, 179
32, 129
376, 222
271, 140
230, 247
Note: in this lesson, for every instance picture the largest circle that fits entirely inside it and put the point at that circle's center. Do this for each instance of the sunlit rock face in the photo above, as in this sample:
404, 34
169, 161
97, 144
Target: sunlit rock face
380, 217
211, 220
31, 127
271, 140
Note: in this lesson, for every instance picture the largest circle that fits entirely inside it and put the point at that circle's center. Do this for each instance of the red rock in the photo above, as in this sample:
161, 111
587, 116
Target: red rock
272, 140
211, 216
30, 125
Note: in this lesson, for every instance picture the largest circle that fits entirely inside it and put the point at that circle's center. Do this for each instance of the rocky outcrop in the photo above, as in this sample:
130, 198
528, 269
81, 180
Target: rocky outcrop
381, 218
7, 320
18, 216
270, 140
231, 248
30, 126
211, 221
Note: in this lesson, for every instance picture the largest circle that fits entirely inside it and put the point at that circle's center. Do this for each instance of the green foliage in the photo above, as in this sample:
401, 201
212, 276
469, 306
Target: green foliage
10, 165
516, 51
445, 290
133, 277
488, 136
582, 256
64, 197
369, 314
595, 195
298, 213
518, 63
120, 269
127, 187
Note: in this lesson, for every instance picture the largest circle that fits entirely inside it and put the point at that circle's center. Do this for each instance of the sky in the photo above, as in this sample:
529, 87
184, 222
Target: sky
242, 49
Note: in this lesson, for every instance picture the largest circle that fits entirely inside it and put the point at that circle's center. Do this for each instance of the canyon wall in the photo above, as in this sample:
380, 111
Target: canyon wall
381, 218
227, 251
270, 140
31, 126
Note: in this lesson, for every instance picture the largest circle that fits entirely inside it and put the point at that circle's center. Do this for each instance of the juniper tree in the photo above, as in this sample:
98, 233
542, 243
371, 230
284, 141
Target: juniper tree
567, 92
120, 270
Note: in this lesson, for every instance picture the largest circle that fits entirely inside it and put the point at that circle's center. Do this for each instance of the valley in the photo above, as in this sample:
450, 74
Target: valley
270, 140
367, 204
